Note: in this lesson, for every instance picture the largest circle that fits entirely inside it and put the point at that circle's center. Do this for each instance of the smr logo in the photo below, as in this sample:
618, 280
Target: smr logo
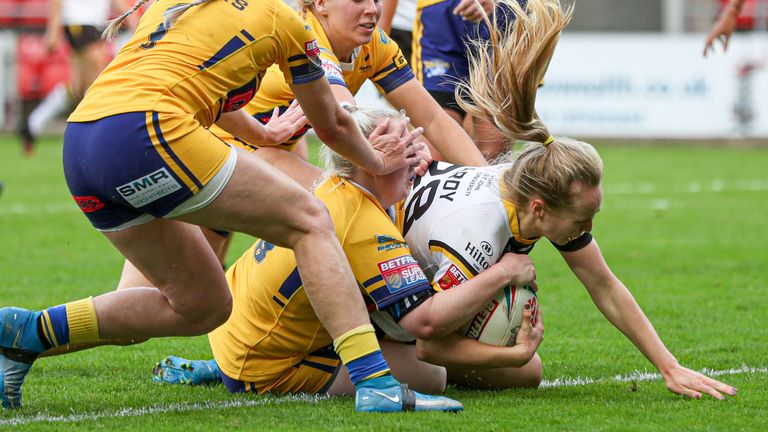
151, 187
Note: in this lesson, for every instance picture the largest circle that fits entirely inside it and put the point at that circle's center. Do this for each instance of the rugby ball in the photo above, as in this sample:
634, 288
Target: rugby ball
500, 320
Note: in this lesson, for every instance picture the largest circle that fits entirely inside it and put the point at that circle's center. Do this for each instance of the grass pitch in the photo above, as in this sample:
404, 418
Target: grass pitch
686, 229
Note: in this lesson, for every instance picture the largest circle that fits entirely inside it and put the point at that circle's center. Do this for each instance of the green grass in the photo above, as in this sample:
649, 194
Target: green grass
696, 262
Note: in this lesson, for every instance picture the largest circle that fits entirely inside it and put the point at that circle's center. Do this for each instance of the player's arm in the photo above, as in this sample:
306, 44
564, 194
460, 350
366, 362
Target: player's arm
53, 25
725, 26
335, 127
291, 165
617, 304
278, 130
448, 137
455, 350
449, 309
387, 15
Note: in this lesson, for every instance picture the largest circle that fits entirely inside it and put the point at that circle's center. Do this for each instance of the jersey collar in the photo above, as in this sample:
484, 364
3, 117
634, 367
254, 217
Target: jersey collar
514, 222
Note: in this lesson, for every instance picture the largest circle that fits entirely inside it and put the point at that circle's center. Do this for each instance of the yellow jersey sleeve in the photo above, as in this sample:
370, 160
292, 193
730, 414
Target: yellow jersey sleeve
378, 254
391, 69
210, 61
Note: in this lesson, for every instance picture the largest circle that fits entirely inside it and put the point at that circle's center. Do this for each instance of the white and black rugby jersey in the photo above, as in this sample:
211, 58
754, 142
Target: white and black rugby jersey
457, 224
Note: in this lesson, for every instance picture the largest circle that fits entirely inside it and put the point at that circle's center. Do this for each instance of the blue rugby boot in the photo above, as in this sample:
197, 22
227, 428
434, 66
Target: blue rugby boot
176, 370
380, 395
19, 347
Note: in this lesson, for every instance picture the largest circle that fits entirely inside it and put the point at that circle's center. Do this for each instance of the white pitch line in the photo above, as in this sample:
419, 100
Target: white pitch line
635, 376
160, 409
638, 376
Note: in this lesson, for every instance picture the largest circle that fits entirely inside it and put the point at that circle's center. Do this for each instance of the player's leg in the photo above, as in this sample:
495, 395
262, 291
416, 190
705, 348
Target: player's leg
406, 368
191, 297
498, 378
191, 300
89, 57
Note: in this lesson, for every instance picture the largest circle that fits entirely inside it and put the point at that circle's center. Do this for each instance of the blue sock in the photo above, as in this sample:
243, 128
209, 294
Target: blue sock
366, 367
381, 382
54, 326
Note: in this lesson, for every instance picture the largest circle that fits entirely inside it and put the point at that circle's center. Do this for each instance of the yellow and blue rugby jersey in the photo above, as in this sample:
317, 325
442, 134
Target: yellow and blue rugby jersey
273, 325
210, 61
380, 60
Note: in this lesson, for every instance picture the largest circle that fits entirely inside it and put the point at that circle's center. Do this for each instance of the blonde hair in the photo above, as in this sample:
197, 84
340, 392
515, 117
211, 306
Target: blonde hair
169, 16
504, 74
366, 118
305, 4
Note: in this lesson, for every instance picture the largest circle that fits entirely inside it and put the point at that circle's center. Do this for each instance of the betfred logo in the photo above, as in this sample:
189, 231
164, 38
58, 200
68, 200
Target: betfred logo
401, 273
481, 319
311, 48
88, 204
452, 277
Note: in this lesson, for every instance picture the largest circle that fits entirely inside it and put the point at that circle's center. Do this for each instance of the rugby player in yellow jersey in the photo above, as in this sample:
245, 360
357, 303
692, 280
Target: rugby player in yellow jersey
353, 50
273, 341
140, 162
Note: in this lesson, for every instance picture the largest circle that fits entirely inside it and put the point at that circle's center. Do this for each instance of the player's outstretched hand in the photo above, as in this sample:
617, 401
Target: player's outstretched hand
531, 332
282, 127
692, 384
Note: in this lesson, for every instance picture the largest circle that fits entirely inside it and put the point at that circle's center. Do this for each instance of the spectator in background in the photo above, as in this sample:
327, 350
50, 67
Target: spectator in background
397, 18
440, 59
81, 22
725, 26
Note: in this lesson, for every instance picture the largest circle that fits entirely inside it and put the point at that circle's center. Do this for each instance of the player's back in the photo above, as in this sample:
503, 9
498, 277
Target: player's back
457, 211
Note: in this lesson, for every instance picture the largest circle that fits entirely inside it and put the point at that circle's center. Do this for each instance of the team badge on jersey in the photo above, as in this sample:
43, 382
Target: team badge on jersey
401, 273
451, 278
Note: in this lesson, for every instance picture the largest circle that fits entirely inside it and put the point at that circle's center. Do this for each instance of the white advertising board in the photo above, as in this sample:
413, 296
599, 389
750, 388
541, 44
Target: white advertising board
656, 86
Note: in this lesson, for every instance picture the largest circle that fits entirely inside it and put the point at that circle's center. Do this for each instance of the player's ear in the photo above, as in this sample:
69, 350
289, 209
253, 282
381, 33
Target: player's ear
537, 207
320, 6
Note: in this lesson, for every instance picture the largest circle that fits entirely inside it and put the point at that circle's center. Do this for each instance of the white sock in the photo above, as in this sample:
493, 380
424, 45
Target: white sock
51, 107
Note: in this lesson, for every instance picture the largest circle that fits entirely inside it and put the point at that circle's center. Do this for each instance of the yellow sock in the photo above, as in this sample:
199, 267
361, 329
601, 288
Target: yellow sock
83, 323
360, 352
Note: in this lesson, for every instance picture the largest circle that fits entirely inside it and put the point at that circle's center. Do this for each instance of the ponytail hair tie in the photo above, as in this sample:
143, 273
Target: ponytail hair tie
549, 140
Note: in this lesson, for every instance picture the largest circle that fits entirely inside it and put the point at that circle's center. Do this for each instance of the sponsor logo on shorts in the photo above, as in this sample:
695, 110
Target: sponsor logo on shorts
88, 204
149, 188
452, 277
401, 273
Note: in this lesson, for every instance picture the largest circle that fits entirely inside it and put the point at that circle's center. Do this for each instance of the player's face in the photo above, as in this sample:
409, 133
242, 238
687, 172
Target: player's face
565, 225
353, 20
394, 187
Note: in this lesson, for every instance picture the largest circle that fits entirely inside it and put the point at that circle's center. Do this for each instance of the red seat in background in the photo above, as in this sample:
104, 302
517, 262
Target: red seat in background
37, 70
